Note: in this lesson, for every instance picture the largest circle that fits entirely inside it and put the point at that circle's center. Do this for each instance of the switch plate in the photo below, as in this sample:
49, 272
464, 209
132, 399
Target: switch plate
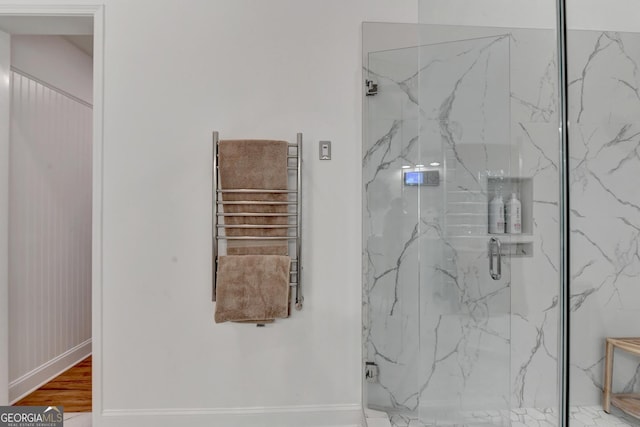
325, 150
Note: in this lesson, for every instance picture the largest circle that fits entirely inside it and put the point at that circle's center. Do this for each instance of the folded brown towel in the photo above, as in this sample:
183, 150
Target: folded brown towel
252, 288
254, 164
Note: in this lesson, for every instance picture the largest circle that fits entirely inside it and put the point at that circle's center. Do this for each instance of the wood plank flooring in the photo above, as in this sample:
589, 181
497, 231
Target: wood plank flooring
71, 389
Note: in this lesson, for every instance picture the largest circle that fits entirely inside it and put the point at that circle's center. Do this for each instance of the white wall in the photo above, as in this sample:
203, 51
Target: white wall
5, 40
246, 69
49, 219
173, 73
490, 13
611, 15
55, 61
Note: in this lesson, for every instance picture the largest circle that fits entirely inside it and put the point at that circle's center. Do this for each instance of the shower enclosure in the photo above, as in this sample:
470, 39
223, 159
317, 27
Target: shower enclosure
460, 323
463, 326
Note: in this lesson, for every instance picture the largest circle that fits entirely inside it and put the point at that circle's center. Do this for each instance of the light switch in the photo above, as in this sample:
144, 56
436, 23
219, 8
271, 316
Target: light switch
325, 150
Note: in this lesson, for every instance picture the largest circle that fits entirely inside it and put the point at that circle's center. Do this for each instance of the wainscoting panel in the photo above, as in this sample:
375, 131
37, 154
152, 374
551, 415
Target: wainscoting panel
49, 232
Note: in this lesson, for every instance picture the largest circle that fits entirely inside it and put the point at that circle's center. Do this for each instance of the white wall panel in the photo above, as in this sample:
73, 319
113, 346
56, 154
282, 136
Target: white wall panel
247, 69
56, 61
50, 232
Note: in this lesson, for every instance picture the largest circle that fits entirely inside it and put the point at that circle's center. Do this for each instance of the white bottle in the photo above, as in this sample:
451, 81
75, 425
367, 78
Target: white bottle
513, 215
496, 215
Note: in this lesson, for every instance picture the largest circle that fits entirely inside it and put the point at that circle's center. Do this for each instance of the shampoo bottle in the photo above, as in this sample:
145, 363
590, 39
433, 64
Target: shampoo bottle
496, 215
513, 215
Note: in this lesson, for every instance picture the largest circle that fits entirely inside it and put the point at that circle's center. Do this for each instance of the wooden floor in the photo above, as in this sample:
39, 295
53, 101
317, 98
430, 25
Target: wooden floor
71, 389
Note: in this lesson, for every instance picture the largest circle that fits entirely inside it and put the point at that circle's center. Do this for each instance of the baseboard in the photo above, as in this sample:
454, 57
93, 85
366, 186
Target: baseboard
375, 418
31, 381
288, 416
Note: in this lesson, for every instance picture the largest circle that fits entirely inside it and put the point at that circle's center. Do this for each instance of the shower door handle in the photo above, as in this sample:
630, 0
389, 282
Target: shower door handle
495, 251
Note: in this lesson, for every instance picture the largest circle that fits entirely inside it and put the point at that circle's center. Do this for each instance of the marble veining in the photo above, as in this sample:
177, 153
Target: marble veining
446, 338
423, 337
604, 106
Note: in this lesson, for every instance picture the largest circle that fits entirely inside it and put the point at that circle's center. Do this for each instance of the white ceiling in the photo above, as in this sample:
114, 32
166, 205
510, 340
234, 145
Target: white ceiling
78, 30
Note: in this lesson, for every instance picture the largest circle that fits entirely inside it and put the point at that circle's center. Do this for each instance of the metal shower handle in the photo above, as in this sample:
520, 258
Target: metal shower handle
494, 242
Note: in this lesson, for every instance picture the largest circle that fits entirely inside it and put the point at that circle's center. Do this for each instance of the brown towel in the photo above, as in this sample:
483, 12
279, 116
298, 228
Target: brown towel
254, 164
252, 288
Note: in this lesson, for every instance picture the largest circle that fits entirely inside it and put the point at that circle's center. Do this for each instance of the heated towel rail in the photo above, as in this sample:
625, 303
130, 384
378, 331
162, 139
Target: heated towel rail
294, 215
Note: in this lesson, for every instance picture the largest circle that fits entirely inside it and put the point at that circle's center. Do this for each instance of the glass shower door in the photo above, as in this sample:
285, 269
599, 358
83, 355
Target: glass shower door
465, 276
437, 283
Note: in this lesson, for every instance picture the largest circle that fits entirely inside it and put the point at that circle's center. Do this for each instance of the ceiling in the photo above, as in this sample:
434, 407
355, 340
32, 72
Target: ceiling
78, 30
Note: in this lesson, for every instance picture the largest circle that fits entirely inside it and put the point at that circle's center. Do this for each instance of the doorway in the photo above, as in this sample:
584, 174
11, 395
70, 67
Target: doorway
70, 258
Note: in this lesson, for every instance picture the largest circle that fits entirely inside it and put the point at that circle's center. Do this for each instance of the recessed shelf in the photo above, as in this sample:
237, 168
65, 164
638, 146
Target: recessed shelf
503, 237
517, 249
523, 187
512, 245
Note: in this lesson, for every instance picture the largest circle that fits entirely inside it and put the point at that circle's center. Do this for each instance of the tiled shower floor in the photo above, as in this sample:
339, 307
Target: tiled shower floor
581, 416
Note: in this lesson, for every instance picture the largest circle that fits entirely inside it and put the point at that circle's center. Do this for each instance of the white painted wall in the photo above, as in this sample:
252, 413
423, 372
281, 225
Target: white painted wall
55, 61
49, 217
489, 13
246, 69
5, 45
611, 15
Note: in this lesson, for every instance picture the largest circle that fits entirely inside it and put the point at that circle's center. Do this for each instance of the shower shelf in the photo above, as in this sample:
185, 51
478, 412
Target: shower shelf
506, 237
513, 245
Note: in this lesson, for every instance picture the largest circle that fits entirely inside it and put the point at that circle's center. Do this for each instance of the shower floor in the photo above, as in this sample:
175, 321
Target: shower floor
581, 416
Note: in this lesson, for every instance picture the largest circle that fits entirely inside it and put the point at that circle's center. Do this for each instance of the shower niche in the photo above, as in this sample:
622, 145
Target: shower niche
521, 244
523, 189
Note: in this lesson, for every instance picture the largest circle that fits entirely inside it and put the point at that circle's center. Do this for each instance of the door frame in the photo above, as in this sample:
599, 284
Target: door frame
72, 8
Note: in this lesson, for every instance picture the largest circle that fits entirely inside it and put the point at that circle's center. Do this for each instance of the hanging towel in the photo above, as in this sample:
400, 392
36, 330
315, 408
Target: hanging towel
254, 164
252, 288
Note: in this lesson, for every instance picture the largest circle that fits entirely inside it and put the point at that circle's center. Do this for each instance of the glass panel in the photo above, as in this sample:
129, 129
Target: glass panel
531, 138
604, 137
476, 107
390, 232
463, 93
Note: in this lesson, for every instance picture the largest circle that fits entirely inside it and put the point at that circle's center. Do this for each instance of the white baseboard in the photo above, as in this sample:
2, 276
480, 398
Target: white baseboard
288, 416
31, 381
